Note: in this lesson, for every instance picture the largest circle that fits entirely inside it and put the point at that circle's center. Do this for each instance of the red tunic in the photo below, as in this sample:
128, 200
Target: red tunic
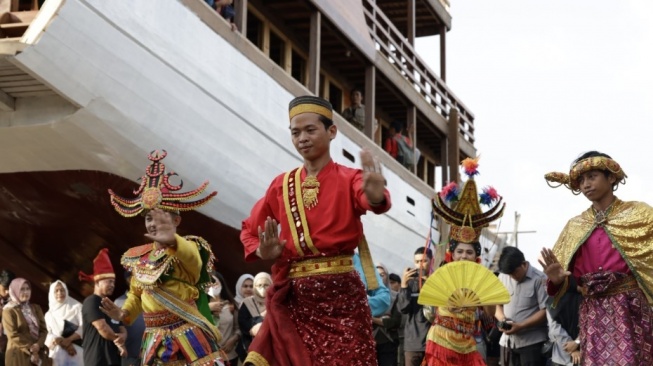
341, 331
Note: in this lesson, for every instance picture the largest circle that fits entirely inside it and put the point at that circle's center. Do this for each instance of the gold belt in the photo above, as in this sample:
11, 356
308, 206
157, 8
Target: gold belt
158, 319
624, 285
321, 265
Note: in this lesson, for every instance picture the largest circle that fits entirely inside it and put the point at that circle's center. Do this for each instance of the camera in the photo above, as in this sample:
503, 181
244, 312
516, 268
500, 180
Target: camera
504, 325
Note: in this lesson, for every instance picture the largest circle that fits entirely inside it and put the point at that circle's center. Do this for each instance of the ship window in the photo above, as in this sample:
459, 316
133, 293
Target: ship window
410, 200
255, 30
277, 49
348, 155
335, 97
298, 69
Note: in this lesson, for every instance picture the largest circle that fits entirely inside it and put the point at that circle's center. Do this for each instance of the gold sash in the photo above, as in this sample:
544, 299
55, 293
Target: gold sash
295, 211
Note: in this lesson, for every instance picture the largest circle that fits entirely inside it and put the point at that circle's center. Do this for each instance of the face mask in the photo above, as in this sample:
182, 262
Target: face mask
261, 291
214, 291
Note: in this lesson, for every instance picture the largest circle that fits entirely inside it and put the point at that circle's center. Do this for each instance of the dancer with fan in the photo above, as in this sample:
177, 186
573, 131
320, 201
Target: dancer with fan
463, 290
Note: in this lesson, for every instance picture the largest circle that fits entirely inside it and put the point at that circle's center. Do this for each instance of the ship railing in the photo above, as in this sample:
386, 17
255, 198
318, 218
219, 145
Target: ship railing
393, 45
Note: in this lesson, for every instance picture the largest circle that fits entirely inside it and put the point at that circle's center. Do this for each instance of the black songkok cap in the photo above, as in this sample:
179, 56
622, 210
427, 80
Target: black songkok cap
309, 103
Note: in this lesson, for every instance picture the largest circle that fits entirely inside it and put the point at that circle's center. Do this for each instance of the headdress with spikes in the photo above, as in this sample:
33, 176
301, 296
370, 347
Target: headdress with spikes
463, 211
156, 191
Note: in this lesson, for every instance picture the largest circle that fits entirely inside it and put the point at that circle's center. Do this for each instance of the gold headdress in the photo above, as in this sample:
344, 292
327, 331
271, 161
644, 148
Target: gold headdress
465, 214
308, 103
592, 163
156, 191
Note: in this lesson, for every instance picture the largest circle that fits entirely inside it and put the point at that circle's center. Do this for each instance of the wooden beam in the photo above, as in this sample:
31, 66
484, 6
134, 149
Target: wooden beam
453, 151
370, 96
410, 22
241, 16
314, 53
411, 124
7, 102
443, 53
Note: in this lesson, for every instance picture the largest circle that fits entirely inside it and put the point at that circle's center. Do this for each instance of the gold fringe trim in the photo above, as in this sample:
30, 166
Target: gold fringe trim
256, 359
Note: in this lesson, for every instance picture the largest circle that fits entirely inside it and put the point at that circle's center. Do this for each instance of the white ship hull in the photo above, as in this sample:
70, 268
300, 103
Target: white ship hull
129, 79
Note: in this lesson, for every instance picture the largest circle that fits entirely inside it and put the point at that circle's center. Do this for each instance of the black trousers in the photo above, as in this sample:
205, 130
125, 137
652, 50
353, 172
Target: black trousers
525, 356
386, 353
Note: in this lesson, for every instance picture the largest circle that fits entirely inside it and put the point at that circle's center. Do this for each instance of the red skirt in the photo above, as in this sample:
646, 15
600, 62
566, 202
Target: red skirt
436, 355
316, 320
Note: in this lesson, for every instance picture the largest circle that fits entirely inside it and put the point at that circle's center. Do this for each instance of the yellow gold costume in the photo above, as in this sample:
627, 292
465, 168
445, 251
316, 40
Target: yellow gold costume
630, 228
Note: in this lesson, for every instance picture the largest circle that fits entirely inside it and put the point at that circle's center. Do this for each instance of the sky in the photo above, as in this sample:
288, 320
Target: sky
547, 81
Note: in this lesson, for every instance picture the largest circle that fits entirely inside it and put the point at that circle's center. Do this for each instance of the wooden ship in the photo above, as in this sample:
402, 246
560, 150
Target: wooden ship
89, 87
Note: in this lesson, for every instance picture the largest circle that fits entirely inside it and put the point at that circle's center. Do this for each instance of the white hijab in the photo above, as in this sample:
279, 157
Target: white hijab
239, 293
69, 310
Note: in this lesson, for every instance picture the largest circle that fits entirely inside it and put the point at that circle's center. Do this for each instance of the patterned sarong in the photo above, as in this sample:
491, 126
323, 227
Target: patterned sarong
616, 321
179, 336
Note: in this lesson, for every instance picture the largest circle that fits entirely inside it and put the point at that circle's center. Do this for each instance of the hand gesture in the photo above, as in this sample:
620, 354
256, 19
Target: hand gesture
373, 181
570, 346
575, 357
216, 306
111, 309
164, 228
254, 331
230, 344
270, 246
71, 350
408, 274
516, 327
552, 268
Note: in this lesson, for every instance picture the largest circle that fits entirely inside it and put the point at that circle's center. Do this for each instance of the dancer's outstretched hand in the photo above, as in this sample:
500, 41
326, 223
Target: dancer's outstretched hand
552, 267
270, 246
373, 181
161, 227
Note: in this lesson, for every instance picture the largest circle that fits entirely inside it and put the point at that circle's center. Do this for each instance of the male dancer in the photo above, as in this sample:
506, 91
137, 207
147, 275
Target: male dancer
606, 253
317, 312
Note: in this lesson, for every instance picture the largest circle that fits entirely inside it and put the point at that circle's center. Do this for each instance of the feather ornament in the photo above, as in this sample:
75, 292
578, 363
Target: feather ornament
488, 196
449, 193
470, 166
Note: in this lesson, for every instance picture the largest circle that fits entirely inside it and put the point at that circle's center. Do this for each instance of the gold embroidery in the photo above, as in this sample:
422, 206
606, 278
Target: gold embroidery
310, 190
321, 265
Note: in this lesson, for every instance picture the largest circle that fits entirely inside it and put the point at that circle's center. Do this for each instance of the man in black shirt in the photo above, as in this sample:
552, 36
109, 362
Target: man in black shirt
104, 338
417, 325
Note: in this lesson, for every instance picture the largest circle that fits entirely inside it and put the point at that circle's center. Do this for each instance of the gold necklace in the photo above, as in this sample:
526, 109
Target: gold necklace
310, 190
601, 216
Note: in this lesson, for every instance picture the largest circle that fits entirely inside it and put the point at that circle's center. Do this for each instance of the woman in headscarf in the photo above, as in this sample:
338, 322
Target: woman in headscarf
24, 325
225, 316
252, 312
64, 323
244, 288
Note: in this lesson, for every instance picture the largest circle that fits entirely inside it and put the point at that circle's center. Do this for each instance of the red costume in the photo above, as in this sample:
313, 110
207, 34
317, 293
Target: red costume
318, 312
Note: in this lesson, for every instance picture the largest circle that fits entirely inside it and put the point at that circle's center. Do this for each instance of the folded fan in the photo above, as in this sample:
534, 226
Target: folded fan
463, 284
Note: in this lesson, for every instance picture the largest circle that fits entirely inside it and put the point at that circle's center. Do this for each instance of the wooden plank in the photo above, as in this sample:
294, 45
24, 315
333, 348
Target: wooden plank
14, 25
18, 89
22, 77
7, 102
314, 53
10, 84
241, 16
370, 94
34, 94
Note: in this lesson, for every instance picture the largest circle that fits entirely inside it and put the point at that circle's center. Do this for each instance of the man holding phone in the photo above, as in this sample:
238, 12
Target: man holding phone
523, 320
417, 326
